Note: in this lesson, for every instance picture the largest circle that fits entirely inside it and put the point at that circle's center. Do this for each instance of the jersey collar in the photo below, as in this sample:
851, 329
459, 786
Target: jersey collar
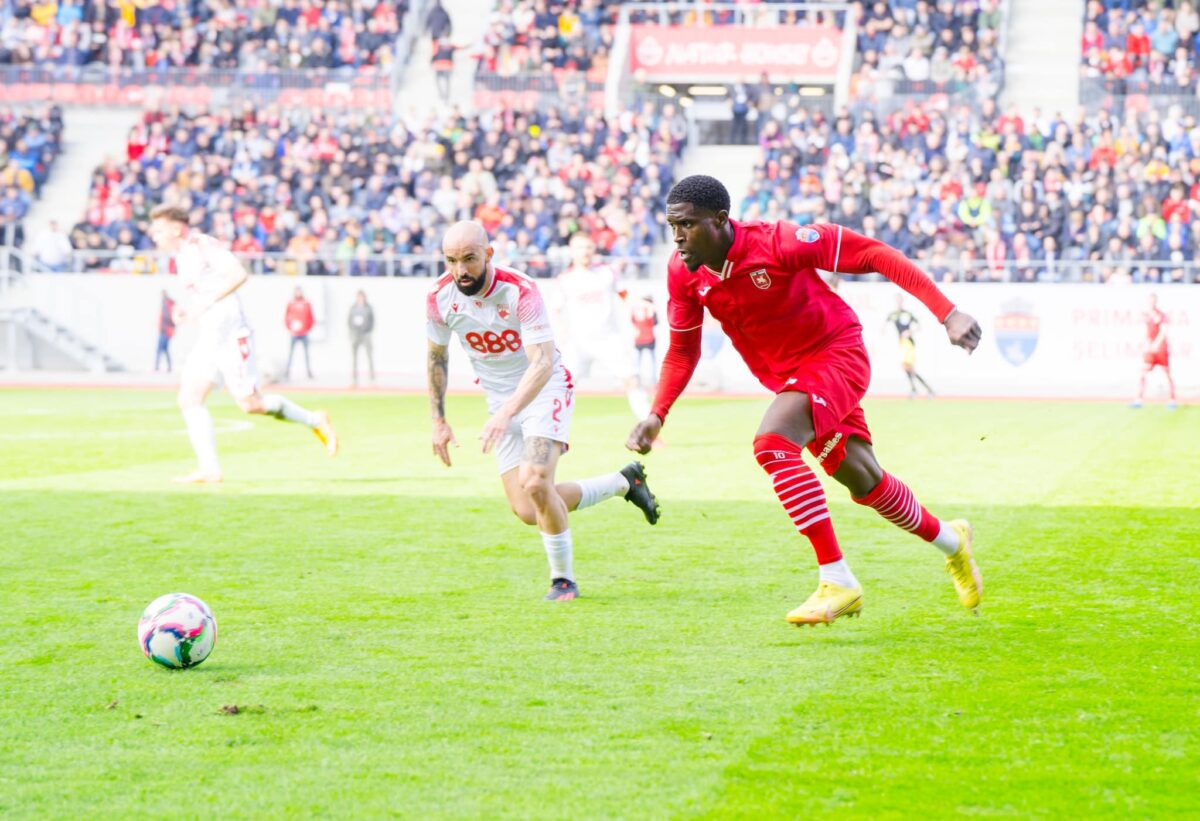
731, 256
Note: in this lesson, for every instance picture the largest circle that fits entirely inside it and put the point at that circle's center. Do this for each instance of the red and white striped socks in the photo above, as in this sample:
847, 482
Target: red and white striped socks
893, 500
800, 492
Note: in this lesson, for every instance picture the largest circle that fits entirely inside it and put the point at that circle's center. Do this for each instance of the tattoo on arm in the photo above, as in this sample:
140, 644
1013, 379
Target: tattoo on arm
439, 364
539, 450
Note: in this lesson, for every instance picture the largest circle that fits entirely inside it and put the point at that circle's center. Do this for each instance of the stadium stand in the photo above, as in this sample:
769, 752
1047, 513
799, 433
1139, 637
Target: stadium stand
29, 145
1145, 48
980, 194
348, 194
293, 34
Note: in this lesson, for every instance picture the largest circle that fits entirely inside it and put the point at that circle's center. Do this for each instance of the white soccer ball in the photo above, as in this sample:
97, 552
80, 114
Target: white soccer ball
177, 630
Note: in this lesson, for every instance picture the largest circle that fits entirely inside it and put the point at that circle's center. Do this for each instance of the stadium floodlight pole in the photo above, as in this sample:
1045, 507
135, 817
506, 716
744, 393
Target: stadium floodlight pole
618, 65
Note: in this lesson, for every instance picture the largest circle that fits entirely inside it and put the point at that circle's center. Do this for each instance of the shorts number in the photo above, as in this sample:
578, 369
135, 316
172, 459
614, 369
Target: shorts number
491, 342
559, 404
244, 347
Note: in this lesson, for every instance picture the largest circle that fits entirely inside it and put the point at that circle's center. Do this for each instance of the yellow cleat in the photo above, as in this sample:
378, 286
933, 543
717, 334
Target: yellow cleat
199, 477
828, 603
968, 582
325, 432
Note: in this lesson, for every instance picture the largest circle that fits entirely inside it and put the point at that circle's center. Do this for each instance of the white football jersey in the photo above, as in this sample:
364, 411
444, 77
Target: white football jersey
591, 305
494, 326
201, 265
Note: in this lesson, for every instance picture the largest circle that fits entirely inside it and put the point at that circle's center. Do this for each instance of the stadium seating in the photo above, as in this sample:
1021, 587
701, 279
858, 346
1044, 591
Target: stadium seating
336, 193
293, 34
1140, 47
980, 194
29, 145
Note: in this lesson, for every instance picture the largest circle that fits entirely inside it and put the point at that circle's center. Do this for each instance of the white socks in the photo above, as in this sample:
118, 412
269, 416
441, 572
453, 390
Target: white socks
204, 439
599, 488
283, 408
558, 552
838, 573
639, 402
946, 540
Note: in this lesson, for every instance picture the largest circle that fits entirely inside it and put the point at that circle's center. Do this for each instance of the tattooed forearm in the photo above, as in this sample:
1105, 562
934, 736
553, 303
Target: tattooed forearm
539, 451
439, 363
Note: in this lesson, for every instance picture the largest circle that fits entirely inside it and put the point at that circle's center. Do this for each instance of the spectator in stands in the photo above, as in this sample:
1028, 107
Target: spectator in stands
362, 325
437, 23
299, 321
52, 249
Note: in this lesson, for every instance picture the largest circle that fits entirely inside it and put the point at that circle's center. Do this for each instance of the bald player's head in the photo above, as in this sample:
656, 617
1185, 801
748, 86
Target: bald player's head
467, 253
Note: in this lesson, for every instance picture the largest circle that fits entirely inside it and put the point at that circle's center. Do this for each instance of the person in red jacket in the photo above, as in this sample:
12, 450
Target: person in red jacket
804, 343
299, 321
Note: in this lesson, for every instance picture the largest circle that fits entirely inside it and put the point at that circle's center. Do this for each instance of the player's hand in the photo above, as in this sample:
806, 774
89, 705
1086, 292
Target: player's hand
495, 428
963, 330
644, 433
443, 437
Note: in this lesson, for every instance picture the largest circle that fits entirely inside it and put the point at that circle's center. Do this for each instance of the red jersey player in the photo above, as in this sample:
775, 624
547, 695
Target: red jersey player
760, 281
1156, 353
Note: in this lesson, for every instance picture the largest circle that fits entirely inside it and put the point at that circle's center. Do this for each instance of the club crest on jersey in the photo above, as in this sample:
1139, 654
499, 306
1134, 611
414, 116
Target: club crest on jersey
503, 312
807, 234
761, 278
1016, 329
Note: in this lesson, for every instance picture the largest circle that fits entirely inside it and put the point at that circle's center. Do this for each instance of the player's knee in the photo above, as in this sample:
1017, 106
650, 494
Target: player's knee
535, 481
251, 404
859, 472
188, 398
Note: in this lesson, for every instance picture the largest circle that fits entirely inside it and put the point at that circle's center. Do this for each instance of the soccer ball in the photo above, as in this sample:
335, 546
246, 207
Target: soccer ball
177, 630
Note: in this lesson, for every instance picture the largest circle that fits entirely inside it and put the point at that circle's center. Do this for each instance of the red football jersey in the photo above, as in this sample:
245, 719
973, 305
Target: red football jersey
1155, 319
772, 303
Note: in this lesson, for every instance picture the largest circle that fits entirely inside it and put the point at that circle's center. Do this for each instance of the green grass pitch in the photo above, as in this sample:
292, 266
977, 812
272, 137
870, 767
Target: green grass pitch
382, 634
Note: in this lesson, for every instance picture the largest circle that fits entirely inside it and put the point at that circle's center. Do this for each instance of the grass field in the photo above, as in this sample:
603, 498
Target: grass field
382, 634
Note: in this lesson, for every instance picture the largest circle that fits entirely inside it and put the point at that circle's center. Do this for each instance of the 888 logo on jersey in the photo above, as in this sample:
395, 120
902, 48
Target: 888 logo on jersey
492, 342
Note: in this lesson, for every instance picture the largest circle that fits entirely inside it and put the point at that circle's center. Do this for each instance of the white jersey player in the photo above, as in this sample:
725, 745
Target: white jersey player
502, 324
210, 276
591, 306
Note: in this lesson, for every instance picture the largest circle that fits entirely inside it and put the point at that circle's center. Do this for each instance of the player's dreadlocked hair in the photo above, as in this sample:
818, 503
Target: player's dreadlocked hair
700, 191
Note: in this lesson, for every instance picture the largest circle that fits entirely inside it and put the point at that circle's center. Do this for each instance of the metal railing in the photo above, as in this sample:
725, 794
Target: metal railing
373, 265
1100, 94
548, 264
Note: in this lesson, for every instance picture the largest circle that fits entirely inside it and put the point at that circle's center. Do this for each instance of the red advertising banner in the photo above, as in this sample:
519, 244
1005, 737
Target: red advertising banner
808, 54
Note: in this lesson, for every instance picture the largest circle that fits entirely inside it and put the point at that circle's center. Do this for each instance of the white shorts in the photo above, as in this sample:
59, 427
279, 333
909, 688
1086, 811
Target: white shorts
227, 358
548, 416
614, 353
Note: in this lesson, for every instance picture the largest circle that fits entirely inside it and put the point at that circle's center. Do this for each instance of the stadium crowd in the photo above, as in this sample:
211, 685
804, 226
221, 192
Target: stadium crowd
288, 34
29, 145
1146, 47
981, 194
360, 187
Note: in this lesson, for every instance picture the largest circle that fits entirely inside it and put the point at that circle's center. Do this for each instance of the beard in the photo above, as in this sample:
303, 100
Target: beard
471, 287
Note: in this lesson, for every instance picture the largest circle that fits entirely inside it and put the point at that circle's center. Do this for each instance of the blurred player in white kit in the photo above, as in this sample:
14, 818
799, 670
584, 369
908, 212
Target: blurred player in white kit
210, 276
598, 323
501, 321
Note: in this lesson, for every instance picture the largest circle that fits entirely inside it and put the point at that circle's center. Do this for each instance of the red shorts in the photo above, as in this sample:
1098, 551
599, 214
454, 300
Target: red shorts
835, 380
1157, 358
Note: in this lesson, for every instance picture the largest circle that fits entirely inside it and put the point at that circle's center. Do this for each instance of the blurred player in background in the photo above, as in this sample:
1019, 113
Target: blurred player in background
593, 314
1155, 352
503, 326
906, 326
645, 319
210, 276
804, 343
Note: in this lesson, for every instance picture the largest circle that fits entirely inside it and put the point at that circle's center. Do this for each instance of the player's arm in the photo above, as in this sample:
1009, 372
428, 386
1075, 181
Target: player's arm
537, 374
231, 270
1161, 338
685, 316
852, 253
438, 368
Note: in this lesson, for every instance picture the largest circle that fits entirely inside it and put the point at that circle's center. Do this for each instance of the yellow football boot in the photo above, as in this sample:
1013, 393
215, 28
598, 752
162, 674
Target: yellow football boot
968, 582
325, 432
828, 603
